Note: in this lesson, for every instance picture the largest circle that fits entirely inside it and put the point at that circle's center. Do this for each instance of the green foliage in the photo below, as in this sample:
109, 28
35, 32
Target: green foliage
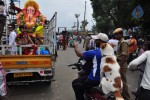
84, 24
145, 21
110, 14
103, 24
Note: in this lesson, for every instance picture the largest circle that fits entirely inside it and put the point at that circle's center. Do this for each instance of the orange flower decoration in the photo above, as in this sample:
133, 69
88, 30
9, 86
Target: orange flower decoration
31, 3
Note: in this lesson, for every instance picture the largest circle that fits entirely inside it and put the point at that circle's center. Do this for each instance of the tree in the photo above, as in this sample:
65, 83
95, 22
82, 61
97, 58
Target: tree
84, 24
145, 21
110, 14
115, 13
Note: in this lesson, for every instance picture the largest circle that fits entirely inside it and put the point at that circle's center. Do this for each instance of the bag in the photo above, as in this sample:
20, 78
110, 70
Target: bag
43, 52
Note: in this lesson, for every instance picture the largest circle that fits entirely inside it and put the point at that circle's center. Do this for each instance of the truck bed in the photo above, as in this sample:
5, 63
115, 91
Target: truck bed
26, 61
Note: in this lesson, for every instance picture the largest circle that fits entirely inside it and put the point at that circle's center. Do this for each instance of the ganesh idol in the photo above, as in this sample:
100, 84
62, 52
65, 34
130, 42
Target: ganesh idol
31, 17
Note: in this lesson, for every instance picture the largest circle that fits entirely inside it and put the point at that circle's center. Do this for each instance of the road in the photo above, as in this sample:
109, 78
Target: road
61, 88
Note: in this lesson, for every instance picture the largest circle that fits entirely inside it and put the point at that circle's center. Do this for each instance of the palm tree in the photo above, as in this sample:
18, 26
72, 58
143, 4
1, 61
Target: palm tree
84, 24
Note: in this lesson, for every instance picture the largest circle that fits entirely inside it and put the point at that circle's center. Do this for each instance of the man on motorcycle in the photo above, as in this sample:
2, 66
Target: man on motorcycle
94, 56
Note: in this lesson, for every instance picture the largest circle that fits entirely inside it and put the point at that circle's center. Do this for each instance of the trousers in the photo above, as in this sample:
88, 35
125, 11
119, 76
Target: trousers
81, 85
125, 92
144, 94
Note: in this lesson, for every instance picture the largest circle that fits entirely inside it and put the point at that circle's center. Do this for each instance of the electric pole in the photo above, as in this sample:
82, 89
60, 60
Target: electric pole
84, 18
77, 16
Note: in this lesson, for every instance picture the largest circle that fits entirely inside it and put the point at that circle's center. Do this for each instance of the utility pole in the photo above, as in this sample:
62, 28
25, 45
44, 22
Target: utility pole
94, 27
84, 17
77, 16
73, 27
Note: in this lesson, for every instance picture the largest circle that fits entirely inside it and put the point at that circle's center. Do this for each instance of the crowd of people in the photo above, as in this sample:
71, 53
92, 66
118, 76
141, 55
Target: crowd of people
64, 40
129, 53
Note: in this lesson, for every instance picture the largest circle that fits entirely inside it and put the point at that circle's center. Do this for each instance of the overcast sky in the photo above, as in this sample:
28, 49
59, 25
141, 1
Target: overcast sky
65, 11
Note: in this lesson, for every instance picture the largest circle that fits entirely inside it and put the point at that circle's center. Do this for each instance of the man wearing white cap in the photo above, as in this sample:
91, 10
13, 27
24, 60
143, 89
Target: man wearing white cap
94, 58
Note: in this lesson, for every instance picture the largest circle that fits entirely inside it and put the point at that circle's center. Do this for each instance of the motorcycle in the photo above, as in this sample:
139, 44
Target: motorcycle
96, 92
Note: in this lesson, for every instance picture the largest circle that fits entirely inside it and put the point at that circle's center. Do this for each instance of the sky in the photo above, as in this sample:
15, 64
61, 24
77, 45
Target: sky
65, 11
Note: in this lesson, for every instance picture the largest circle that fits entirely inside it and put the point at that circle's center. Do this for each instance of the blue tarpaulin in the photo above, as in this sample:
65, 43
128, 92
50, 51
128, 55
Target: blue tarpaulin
43, 52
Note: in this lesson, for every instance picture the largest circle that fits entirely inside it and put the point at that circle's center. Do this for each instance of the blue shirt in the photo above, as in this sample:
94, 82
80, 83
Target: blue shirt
96, 58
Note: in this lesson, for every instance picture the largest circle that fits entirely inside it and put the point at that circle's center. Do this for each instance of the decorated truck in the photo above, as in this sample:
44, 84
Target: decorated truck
35, 66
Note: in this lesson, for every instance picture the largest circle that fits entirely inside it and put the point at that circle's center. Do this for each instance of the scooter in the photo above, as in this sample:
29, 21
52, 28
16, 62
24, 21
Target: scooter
96, 92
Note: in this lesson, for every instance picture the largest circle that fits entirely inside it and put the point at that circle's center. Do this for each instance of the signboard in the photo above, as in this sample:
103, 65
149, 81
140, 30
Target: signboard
138, 12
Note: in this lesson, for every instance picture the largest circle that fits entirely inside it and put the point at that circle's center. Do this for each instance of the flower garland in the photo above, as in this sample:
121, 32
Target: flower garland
37, 22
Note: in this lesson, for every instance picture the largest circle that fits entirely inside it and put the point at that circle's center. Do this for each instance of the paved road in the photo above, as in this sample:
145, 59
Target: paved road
60, 89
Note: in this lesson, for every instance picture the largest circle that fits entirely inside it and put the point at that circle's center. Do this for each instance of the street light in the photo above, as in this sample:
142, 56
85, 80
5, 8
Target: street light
77, 16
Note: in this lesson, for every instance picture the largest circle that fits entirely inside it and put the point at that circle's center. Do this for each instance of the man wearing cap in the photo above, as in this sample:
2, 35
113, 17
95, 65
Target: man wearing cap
122, 54
94, 57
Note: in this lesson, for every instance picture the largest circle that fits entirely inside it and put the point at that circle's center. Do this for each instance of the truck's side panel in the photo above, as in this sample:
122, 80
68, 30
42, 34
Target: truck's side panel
26, 61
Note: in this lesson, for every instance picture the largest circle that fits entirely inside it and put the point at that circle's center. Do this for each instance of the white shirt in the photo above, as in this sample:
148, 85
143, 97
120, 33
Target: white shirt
145, 83
12, 42
114, 42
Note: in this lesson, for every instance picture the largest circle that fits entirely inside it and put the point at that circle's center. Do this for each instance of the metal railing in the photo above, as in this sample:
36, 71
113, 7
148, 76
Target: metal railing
49, 40
20, 48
